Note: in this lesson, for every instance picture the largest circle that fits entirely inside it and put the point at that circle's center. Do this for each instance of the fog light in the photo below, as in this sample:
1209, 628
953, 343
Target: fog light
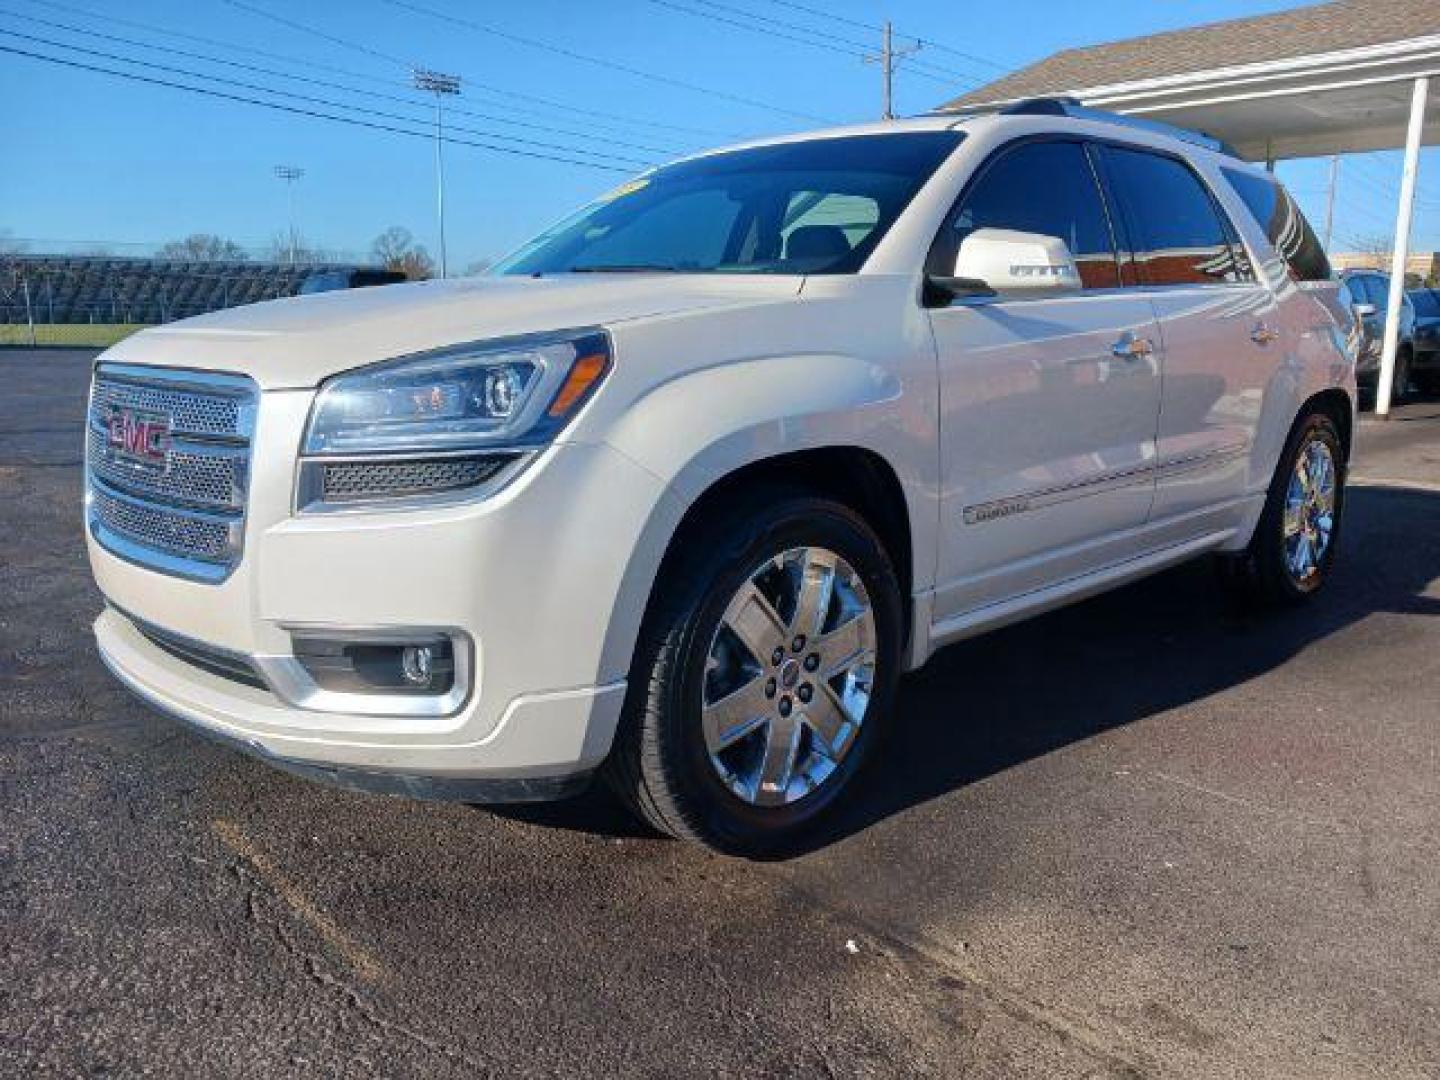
413, 664
416, 662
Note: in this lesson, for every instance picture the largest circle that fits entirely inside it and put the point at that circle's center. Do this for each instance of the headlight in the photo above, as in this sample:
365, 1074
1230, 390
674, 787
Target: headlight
444, 423
510, 393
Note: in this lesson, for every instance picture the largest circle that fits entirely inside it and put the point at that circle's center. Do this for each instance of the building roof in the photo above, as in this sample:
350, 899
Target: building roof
1307, 31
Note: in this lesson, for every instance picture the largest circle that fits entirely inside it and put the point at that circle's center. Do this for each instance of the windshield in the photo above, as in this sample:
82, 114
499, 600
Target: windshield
1427, 302
814, 207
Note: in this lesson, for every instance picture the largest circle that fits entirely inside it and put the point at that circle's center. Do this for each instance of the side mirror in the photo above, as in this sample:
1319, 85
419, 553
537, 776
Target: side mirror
1364, 311
1009, 261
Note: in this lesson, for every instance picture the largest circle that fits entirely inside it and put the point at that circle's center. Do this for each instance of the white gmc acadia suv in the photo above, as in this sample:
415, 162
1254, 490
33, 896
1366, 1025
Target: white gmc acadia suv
678, 491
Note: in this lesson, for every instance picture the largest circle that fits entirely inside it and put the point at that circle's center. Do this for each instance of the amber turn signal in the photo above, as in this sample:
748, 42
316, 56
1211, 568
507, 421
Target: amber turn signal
584, 374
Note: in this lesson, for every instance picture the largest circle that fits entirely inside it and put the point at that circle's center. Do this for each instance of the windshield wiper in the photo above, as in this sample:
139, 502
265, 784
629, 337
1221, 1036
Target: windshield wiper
625, 268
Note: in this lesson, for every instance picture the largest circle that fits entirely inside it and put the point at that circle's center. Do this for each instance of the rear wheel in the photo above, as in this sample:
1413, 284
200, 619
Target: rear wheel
1293, 549
762, 678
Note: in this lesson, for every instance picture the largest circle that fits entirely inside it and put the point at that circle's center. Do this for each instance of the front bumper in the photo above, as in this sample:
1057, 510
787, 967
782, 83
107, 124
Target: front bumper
545, 745
548, 580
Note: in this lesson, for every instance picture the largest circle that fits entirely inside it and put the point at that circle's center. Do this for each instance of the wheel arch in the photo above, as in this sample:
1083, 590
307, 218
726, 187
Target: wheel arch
1339, 407
854, 476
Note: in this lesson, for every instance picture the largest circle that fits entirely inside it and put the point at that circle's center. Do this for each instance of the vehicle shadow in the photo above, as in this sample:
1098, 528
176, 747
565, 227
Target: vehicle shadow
987, 704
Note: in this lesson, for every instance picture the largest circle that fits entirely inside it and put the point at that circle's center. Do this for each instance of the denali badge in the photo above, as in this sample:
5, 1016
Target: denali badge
140, 436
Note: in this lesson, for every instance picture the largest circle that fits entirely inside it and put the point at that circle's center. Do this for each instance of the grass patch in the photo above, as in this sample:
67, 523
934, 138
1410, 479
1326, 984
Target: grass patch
98, 335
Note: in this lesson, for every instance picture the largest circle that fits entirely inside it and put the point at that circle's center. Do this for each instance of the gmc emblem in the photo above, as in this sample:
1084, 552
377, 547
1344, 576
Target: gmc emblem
141, 436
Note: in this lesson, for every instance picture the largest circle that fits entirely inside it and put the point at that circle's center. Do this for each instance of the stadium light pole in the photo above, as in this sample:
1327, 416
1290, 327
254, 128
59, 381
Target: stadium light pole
290, 173
433, 82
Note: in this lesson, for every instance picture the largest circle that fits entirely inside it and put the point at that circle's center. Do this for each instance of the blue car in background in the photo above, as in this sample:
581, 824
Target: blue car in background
1425, 367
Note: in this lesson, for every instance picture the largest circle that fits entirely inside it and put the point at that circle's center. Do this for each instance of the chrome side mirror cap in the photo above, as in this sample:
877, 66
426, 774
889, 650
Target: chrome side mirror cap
1014, 262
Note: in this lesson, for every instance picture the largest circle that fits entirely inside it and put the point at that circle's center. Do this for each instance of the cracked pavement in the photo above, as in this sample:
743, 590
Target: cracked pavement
1148, 835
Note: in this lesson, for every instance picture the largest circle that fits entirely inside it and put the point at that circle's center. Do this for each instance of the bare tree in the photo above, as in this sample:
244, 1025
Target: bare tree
203, 247
285, 245
479, 266
395, 249
1376, 247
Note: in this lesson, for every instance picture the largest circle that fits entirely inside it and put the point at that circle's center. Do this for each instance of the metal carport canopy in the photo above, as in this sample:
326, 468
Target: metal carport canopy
1351, 75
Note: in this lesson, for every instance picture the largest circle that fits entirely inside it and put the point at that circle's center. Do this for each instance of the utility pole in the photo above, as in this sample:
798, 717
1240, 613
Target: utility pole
1330, 199
888, 58
290, 173
29, 314
433, 82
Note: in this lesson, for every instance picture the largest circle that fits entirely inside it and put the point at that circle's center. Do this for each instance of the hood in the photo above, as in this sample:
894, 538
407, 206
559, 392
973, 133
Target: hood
297, 342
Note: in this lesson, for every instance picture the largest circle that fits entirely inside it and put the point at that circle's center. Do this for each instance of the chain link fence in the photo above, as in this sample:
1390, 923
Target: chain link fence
95, 301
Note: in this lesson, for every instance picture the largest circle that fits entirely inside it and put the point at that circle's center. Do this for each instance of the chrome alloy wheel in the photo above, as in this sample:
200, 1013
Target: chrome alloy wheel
789, 676
1309, 511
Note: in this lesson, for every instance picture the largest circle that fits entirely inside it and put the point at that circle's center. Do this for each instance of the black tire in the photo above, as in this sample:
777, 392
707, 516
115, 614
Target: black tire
1400, 385
660, 765
1261, 574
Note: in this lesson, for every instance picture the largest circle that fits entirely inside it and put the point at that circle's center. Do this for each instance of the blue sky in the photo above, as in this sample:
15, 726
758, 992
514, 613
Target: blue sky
94, 158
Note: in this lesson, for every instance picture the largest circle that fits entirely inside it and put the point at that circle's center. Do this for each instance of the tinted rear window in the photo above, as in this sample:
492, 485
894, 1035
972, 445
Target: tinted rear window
1176, 234
1289, 233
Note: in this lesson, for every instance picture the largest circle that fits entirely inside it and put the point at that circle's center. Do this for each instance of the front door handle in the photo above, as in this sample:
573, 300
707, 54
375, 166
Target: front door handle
1130, 347
1263, 335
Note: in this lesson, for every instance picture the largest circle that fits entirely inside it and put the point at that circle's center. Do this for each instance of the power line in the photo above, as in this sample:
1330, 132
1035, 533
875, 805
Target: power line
309, 99
609, 119
299, 111
322, 34
875, 27
1390, 188
376, 94
664, 80
1390, 192
834, 45
759, 24
918, 67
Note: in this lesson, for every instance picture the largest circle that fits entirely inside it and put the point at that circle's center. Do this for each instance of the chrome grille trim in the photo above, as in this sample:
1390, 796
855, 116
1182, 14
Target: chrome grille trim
199, 403
202, 475
185, 517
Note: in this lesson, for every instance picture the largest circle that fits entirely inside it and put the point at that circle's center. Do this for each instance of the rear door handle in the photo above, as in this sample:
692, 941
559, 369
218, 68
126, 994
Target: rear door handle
1263, 335
1130, 347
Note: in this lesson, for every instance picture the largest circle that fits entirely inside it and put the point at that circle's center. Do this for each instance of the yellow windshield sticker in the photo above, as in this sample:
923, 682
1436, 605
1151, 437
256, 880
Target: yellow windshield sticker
627, 188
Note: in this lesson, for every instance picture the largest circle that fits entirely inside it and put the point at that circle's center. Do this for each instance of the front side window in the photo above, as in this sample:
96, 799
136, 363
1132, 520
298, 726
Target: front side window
1176, 234
1285, 226
1042, 187
819, 206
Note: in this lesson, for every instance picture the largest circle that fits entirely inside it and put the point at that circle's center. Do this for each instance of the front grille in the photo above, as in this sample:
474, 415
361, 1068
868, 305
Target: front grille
209, 477
164, 529
183, 512
197, 411
346, 480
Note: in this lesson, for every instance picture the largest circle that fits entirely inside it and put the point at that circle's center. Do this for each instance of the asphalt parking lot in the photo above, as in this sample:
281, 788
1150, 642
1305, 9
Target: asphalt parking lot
1149, 835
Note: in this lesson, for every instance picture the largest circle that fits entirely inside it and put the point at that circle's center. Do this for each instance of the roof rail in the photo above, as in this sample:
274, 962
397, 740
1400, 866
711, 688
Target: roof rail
1069, 106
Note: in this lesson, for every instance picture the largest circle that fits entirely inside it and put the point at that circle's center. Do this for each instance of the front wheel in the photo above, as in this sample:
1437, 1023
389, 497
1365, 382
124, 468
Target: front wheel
764, 672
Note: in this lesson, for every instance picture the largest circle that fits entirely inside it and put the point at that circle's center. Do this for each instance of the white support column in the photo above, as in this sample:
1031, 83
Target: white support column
1401, 251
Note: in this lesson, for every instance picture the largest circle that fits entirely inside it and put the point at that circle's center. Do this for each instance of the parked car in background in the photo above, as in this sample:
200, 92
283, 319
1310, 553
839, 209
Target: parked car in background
678, 492
1425, 369
1370, 291
360, 278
